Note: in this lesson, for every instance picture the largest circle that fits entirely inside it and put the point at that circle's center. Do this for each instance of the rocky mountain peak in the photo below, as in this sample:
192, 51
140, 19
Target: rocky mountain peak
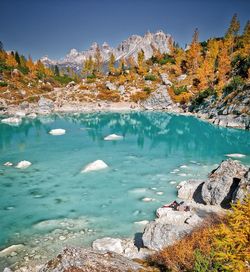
127, 48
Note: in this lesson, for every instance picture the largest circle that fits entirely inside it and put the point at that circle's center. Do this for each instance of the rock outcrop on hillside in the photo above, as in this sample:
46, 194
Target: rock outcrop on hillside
232, 110
160, 100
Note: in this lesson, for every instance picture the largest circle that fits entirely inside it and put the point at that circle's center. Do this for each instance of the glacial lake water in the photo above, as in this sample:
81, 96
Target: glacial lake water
158, 151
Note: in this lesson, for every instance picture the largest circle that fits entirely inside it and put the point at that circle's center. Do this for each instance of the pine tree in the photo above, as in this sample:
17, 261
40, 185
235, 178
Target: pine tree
122, 66
1, 46
56, 71
17, 58
234, 27
111, 64
246, 40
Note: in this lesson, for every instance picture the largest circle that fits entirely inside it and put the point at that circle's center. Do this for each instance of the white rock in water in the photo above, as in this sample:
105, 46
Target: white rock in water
58, 131
23, 164
15, 121
32, 115
6, 269
113, 137
183, 166
236, 155
182, 175
8, 164
148, 199
94, 166
20, 114
143, 222
7, 251
159, 193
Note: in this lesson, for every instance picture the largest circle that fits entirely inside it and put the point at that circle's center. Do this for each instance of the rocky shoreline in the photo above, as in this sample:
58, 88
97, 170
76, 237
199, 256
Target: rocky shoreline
47, 106
229, 182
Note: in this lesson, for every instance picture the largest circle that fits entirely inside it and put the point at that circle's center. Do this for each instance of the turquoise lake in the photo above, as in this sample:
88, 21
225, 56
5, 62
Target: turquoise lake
158, 151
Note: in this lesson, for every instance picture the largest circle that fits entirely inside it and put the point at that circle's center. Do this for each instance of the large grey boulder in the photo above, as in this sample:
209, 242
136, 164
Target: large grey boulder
45, 104
125, 247
223, 182
158, 234
243, 188
110, 86
159, 100
85, 260
190, 189
165, 80
169, 228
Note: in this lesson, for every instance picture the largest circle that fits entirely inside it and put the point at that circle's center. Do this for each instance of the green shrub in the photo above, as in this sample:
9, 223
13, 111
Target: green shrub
240, 66
92, 76
147, 90
23, 69
4, 67
63, 79
203, 95
235, 84
150, 77
167, 59
3, 84
179, 90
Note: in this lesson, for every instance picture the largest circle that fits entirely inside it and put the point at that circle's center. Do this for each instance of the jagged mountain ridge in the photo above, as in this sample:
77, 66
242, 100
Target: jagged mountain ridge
127, 48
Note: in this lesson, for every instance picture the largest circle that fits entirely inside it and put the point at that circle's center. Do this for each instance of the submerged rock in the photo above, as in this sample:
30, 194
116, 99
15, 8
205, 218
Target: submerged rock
95, 166
9, 250
23, 164
57, 132
14, 121
85, 260
113, 137
8, 164
236, 155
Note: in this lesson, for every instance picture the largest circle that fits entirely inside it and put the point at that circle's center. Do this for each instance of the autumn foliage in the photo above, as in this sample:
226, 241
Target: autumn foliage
220, 244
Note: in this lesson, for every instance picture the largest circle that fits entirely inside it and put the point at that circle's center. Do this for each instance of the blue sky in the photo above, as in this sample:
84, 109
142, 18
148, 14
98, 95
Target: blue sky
53, 27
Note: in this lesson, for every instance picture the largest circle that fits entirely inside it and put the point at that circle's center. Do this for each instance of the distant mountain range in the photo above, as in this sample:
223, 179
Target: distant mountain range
125, 49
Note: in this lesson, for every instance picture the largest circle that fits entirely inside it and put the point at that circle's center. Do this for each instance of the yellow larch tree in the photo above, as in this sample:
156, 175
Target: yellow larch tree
193, 54
206, 71
224, 65
11, 61
141, 65
111, 64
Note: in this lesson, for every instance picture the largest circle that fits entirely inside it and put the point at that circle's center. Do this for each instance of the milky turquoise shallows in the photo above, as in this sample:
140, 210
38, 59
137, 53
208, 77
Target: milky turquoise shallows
154, 145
